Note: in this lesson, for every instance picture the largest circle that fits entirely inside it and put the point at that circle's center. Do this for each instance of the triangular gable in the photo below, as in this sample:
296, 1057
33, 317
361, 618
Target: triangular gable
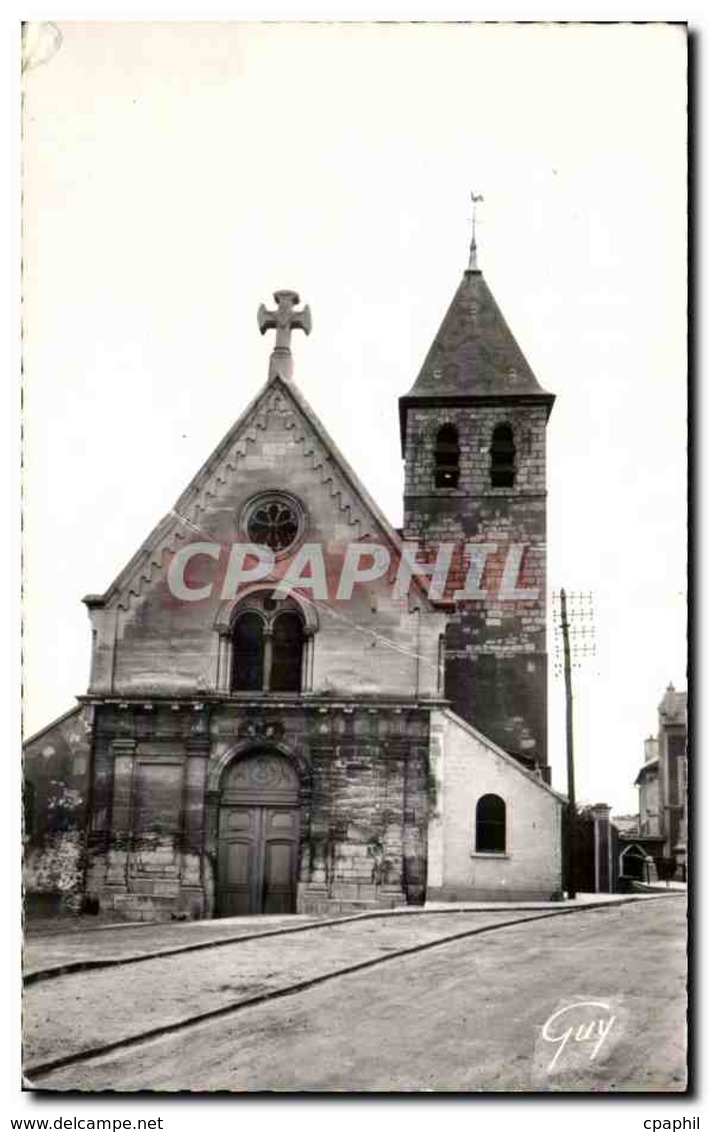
182, 523
508, 759
51, 726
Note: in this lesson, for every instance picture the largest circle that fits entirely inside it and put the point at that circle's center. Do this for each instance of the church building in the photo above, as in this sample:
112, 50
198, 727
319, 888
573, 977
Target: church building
295, 707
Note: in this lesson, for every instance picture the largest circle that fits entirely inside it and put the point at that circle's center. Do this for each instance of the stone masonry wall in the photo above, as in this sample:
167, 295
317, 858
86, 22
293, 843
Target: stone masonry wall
495, 647
147, 641
56, 772
364, 801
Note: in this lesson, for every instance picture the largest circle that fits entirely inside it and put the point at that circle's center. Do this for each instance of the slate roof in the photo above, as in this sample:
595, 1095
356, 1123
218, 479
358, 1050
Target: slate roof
474, 355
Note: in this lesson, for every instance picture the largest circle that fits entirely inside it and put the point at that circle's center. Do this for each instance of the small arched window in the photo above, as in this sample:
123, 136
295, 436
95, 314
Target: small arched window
502, 457
447, 456
490, 824
268, 641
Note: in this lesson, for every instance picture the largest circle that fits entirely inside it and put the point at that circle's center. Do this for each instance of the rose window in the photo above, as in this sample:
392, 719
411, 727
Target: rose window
274, 521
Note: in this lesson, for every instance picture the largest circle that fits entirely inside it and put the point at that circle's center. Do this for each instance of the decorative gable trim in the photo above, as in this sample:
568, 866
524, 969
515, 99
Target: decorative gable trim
183, 521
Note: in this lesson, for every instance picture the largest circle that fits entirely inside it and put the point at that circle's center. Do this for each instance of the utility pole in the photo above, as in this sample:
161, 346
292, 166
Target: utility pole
570, 783
573, 623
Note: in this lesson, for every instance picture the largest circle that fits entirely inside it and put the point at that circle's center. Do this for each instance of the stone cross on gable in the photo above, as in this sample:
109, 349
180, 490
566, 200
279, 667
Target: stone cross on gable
284, 320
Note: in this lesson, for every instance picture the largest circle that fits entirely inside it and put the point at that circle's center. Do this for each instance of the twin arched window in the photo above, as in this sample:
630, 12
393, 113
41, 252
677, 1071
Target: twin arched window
490, 824
268, 644
447, 456
502, 457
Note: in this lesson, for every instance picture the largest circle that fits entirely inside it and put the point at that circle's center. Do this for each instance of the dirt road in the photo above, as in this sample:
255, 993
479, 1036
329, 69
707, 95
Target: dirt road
495, 1012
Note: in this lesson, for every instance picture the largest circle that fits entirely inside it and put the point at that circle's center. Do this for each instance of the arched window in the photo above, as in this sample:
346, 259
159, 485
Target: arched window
490, 821
287, 659
447, 456
268, 640
249, 653
502, 457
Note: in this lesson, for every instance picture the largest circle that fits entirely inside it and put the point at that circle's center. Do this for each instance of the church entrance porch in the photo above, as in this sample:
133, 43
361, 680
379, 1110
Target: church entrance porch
259, 828
277, 806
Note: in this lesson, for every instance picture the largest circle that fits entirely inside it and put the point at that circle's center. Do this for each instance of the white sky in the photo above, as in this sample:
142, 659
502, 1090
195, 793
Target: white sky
177, 174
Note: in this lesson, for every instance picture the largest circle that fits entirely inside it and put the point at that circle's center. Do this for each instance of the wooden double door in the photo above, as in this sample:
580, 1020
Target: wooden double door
259, 837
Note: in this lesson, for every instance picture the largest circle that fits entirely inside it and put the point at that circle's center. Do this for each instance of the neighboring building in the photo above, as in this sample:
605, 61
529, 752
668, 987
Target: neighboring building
672, 755
648, 783
661, 834
626, 823
273, 749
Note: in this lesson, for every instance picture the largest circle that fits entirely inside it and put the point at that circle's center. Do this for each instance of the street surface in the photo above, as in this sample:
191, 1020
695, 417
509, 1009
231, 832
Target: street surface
498, 1011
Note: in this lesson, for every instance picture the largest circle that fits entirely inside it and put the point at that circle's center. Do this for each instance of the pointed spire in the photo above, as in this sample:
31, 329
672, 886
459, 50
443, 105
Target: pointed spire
476, 199
474, 356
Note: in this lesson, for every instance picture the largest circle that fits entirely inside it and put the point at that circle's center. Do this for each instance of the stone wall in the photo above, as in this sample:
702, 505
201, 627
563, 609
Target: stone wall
147, 641
496, 660
364, 800
56, 774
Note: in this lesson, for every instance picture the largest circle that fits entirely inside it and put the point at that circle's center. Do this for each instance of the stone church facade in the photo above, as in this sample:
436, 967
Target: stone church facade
260, 735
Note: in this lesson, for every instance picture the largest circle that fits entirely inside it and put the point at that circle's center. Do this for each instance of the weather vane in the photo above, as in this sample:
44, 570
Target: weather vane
473, 260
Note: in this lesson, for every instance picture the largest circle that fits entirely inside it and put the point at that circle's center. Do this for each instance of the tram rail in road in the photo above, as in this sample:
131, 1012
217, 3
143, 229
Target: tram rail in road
43, 1067
75, 966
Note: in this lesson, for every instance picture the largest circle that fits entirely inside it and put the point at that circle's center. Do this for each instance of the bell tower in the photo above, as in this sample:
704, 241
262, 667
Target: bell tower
473, 435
